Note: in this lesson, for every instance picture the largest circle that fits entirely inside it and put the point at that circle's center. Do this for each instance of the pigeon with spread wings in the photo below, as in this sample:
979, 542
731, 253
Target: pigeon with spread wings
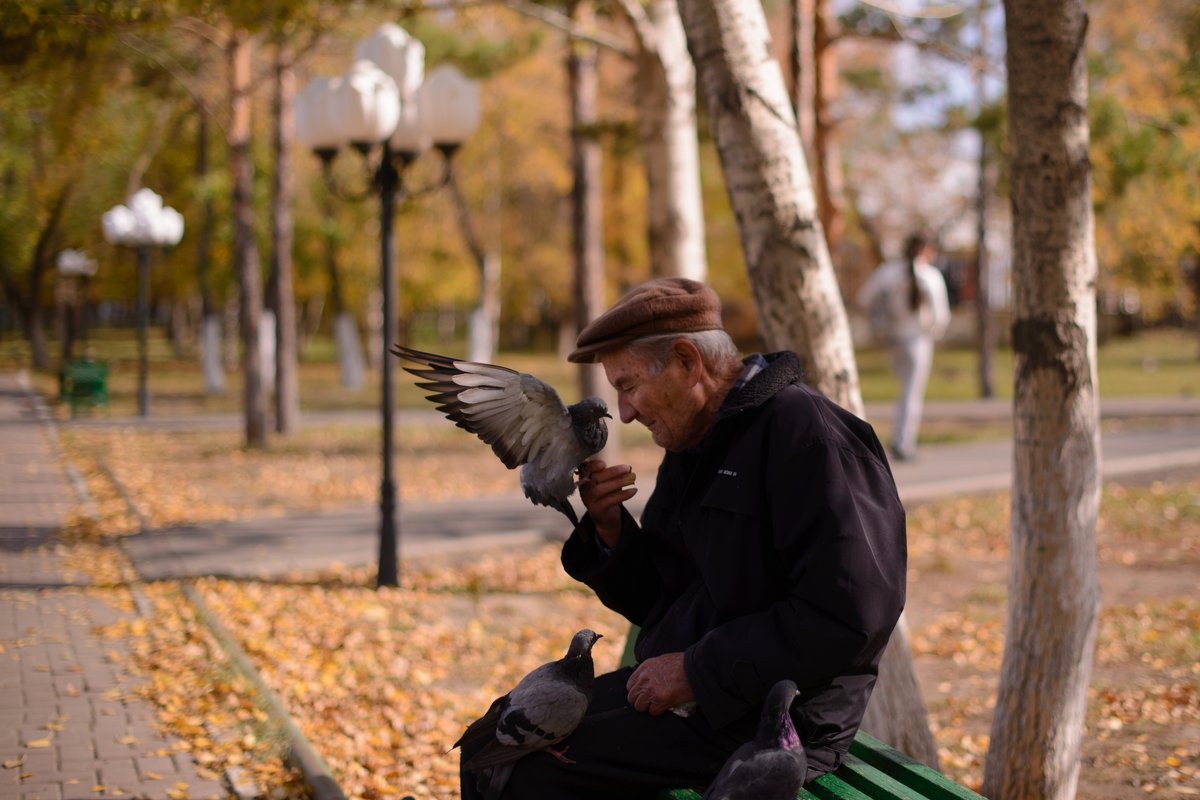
521, 417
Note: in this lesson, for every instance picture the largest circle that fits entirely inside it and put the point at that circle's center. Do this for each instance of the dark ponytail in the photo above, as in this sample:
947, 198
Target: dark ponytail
915, 246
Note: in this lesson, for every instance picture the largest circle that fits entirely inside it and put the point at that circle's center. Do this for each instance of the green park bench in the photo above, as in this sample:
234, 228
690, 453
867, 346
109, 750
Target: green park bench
83, 383
872, 771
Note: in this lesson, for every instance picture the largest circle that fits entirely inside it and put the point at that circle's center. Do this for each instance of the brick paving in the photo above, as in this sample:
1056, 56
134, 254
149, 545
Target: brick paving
69, 725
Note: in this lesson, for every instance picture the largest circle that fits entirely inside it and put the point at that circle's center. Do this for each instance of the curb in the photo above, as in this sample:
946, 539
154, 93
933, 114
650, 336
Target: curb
300, 753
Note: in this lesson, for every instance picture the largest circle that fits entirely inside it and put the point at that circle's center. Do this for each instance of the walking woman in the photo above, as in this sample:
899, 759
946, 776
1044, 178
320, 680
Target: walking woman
905, 300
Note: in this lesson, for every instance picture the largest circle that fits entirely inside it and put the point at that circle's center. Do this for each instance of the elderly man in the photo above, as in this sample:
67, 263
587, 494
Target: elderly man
772, 547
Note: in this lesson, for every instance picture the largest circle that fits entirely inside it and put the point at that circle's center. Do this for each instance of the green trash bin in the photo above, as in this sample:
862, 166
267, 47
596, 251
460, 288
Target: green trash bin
84, 384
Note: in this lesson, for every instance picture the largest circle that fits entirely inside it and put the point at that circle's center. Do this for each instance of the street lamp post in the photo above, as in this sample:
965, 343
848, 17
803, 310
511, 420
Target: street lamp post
385, 100
76, 268
144, 223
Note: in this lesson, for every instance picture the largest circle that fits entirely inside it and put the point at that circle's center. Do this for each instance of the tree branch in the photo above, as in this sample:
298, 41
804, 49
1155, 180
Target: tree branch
172, 68
562, 22
643, 28
930, 12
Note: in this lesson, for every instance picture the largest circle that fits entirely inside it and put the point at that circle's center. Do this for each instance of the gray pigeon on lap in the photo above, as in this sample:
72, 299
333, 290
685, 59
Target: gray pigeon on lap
773, 765
542, 710
521, 417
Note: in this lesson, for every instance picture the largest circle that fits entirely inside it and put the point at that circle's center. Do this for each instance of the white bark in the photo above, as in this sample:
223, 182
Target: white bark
351, 366
1053, 584
268, 349
483, 327
211, 358
795, 289
666, 91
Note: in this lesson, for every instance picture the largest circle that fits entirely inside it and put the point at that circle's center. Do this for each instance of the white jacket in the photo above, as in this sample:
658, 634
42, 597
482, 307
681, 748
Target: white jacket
888, 286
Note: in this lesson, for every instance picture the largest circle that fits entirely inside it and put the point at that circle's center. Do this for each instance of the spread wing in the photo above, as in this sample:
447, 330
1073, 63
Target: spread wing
514, 412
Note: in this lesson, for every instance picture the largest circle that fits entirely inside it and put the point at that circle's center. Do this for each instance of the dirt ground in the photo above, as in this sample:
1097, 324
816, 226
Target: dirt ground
1142, 734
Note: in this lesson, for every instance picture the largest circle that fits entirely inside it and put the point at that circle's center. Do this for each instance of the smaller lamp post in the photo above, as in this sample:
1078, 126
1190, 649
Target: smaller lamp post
143, 224
75, 268
385, 99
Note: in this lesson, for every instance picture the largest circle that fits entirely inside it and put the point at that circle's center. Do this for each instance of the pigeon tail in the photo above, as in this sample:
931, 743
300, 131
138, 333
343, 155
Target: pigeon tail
565, 507
491, 781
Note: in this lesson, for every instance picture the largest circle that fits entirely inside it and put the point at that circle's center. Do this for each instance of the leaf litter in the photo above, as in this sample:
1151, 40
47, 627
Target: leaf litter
382, 681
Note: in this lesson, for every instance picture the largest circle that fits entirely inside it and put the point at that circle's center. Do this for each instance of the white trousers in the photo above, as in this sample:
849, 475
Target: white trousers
911, 362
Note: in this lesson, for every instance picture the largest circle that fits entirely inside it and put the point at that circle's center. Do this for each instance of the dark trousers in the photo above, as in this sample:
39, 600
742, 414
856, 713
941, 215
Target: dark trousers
620, 752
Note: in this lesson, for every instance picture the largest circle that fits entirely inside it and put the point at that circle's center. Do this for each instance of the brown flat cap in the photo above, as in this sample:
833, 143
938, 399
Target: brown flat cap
658, 306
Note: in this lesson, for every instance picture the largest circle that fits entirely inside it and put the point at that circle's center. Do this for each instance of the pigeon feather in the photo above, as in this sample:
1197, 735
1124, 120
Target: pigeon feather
540, 711
520, 417
773, 765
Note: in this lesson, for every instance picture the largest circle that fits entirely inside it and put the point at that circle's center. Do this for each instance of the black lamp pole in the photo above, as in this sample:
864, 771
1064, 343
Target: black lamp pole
388, 178
143, 303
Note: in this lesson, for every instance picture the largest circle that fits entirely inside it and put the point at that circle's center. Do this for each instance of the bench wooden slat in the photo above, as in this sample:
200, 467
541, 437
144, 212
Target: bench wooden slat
875, 783
931, 783
831, 787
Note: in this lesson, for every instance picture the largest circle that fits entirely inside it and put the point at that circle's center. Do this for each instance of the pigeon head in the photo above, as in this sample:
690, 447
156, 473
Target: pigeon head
587, 419
775, 728
581, 643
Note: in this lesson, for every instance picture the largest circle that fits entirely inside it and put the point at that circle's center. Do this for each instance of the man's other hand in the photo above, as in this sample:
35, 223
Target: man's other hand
603, 489
659, 684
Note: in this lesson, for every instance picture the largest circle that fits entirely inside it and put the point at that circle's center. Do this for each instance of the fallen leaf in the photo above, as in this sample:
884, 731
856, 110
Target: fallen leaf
35, 744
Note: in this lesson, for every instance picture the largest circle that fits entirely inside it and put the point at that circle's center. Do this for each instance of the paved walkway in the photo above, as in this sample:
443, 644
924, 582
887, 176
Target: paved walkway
69, 727
274, 547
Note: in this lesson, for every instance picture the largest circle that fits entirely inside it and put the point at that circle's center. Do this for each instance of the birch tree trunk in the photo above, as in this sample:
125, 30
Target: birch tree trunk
245, 251
666, 97
283, 300
483, 327
796, 293
587, 219
211, 360
795, 290
1053, 594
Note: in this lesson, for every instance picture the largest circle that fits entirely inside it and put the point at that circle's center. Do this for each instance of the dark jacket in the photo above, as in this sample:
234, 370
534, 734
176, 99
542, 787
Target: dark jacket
775, 549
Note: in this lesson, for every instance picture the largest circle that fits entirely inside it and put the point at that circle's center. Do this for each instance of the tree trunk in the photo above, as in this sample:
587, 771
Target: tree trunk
795, 290
287, 382
245, 250
1053, 594
802, 63
796, 293
212, 363
39, 265
828, 164
985, 334
35, 332
587, 218
484, 324
666, 97
352, 366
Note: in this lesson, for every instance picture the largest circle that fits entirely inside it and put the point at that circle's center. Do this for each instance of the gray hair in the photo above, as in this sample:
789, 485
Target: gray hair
717, 351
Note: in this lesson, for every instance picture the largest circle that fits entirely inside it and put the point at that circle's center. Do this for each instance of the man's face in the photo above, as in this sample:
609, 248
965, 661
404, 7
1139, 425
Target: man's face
665, 402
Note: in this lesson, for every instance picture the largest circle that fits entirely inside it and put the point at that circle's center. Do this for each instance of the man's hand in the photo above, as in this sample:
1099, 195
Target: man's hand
603, 490
659, 684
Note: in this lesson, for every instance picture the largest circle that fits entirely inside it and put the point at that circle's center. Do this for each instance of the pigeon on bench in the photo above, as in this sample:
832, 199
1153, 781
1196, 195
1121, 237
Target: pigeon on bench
541, 711
521, 417
770, 767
